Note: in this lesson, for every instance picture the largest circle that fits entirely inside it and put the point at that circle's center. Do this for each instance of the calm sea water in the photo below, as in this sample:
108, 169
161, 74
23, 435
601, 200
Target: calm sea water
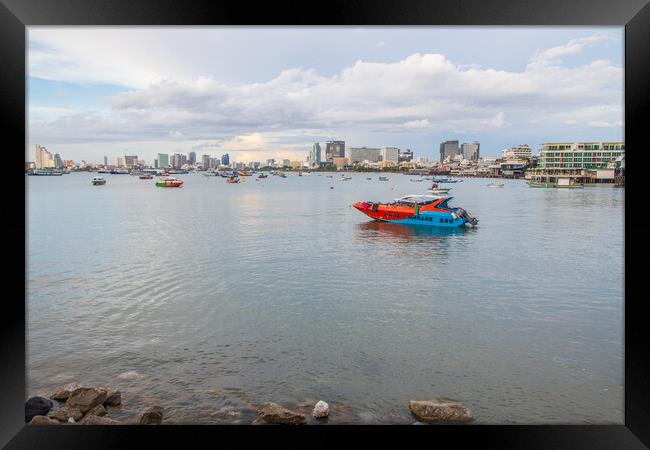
215, 298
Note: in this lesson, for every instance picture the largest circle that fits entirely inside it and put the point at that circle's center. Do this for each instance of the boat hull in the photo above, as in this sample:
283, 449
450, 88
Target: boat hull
169, 183
554, 186
409, 217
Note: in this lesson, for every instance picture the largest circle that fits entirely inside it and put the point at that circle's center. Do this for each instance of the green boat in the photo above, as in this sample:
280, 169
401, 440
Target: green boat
98, 181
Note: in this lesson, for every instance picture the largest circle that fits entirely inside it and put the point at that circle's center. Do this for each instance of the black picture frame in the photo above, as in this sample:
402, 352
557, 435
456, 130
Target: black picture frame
15, 15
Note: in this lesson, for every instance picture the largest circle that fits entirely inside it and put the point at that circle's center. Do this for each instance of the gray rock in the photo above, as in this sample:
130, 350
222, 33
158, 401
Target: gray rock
98, 410
440, 411
43, 420
153, 415
113, 397
37, 406
86, 398
274, 413
321, 410
66, 413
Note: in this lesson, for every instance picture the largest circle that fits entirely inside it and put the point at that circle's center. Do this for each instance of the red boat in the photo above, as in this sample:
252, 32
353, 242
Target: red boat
418, 210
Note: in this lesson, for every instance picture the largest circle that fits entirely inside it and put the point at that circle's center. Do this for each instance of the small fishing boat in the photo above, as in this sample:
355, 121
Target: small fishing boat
383, 178
244, 173
494, 185
146, 176
416, 209
434, 189
98, 181
329, 176
282, 175
368, 178
344, 178
262, 176
417, 181
232, 179
169, 182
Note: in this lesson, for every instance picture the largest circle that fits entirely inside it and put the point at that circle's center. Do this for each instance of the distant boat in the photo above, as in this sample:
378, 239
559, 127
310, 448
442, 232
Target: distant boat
494, 185
244, 173
169, 182
262, 176
98, 181
46, 173
555, 182
120, 172
344, 178
233, 179
383, 178
417, 181
146, 176
368, 178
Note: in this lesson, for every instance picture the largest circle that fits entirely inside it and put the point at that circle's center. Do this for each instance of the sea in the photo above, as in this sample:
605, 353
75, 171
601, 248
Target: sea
214, 298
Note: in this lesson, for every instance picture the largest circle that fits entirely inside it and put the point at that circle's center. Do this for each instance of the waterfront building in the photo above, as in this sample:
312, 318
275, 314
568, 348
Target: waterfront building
594, 162
163, 160
296, 164
225, 159
105, 161
131, 160
270, 162
44, 158
191, 158
58, 162
68, 163
334, 149
519, 152
448, 149
390, 154
361, 154
405, 156
205, 162
155, 163
340, 162
315, 155
471, 150
120, 161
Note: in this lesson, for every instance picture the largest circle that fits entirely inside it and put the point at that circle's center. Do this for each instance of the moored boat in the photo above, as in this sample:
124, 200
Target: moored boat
494, 185
98, 181
146, 176
429, 210
262, 176
169, 182
233, 179
383, 178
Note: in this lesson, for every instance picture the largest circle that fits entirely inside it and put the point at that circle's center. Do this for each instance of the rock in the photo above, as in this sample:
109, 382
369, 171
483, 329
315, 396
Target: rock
274, 413
97, 420
322, 409
71, 420
66, 413
86, 398
259, 421
98, 410
440, 411
64, 392
113, 397
153, 415
37, 406
42, 420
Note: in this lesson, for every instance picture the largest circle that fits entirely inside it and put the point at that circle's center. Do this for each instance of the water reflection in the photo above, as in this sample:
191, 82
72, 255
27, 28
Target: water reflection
403, 232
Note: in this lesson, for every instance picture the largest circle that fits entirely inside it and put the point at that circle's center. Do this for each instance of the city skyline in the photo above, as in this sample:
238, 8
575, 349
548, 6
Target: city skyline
390, 86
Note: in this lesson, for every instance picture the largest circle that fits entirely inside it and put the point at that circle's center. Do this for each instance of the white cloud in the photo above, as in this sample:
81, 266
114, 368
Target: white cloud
422, 93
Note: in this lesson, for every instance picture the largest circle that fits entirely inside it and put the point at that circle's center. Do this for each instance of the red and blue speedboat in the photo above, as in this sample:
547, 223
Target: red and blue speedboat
430, 210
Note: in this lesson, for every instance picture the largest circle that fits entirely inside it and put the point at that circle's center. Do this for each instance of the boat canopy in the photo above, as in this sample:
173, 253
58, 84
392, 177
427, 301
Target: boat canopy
420, 199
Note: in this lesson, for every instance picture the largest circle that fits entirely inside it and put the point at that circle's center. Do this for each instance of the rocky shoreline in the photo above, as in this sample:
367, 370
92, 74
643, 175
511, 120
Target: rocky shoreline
75, 404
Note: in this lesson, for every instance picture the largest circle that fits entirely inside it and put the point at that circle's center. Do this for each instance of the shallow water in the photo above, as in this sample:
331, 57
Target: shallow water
214, 298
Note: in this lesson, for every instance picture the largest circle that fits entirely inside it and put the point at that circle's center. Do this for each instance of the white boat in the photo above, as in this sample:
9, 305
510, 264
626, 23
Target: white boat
494, 185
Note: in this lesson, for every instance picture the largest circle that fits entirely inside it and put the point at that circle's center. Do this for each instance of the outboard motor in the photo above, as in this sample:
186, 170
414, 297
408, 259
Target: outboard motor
460, 212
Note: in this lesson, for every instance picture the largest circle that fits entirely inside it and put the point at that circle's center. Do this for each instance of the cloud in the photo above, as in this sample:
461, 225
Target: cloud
421, 93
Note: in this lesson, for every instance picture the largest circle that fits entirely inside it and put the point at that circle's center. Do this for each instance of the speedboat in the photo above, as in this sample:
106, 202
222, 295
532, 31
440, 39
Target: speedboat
146, 176
344, 178
169, 182
494, 185
98, 181
383, 178
416, 209
233, 180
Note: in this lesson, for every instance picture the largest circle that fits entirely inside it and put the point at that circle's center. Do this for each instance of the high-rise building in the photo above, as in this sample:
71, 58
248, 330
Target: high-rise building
315, 155
163, 160
470, 150
105, 161
286, 163
361, 154
518, 152
405, 156
390, 154
178, 160
58, 162
120, 161
191, 158
334, 149
270, 162
448, 150
225, 159
205, 162
43, 158
155, 163
130, 160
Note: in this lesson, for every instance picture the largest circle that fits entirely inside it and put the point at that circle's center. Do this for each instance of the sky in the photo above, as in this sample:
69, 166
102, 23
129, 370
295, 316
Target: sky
263, 92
